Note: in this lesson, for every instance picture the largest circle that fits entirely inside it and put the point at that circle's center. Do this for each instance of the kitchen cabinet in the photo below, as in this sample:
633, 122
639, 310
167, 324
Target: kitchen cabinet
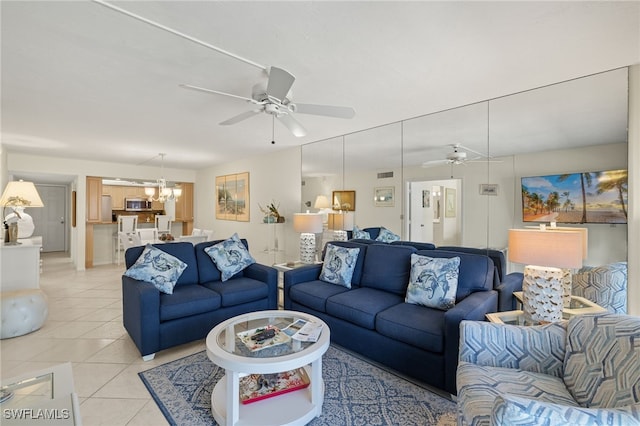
117, 196
184, 208
94, 199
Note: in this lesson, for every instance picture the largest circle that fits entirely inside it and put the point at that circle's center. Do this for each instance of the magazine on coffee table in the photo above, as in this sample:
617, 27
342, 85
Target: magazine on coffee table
255, 387
263, 337
303, 331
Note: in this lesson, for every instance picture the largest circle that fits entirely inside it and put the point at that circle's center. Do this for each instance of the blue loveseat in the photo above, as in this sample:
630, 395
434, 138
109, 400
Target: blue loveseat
200, 300
372, 318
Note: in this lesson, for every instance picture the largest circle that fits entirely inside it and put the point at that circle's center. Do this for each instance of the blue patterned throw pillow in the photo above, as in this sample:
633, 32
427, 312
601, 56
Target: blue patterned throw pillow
338, 266
157, 267
360, 234
387, 236
433, 281
230, 256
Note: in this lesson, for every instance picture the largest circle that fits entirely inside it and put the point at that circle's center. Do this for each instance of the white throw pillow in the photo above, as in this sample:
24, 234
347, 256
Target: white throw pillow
433, 281
157, 267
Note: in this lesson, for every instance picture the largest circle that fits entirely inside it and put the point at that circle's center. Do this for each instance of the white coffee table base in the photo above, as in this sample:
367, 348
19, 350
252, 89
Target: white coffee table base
293, 408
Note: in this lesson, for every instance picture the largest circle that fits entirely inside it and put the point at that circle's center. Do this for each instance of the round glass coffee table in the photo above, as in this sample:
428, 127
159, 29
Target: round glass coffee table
252, 348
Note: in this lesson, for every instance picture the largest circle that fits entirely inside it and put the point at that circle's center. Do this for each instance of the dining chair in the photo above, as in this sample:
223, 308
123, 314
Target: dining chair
148, 235
127, 241
127, 224
163, 224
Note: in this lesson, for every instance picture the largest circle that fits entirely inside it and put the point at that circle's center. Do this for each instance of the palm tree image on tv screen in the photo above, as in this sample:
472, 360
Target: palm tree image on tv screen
587, 197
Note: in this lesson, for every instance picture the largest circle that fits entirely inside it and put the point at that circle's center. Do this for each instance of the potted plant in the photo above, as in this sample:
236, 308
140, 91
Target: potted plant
271, 213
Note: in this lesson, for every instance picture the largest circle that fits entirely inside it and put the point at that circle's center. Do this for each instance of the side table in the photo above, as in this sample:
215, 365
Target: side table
578, 306
282, 268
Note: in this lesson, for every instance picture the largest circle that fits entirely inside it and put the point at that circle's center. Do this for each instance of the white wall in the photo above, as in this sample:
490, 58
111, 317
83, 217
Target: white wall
274, 177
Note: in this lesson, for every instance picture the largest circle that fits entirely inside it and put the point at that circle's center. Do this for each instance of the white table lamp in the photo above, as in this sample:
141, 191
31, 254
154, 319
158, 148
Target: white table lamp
307, 224
340, 223
18, 195
545, 253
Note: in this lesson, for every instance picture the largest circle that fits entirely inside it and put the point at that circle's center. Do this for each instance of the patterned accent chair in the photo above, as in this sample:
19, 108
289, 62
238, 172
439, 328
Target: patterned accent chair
582, 372
605, 285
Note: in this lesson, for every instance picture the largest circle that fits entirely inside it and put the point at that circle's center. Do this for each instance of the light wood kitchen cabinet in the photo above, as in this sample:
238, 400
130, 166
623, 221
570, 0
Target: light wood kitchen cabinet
184, 208
94, 199
117, 196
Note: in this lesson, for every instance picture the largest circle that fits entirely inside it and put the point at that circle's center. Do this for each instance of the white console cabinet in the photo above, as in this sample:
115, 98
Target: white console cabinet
20, 265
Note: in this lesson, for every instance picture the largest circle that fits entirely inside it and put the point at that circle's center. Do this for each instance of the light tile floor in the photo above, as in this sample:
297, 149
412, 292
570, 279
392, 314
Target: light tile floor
85, 327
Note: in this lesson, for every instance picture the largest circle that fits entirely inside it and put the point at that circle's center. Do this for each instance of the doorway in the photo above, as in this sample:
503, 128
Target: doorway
434, 211
51, 220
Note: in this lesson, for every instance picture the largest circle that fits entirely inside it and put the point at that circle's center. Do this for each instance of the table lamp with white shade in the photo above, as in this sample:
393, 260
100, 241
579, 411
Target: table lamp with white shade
340, 223
307, 224
18, 195
546, 253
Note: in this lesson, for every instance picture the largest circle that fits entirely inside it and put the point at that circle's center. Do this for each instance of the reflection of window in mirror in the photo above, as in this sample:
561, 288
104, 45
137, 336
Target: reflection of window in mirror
344, 200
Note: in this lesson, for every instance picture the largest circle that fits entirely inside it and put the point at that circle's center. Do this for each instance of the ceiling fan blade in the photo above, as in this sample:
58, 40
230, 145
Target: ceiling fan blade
326, 110
292, 124
434, 163
240, 117
280, 82
202, 89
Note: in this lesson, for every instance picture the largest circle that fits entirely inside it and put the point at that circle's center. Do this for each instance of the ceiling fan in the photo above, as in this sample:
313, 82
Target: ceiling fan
275, 99
459, 156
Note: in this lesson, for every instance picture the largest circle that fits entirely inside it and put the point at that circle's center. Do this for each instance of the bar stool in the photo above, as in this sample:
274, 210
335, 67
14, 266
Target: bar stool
127, 224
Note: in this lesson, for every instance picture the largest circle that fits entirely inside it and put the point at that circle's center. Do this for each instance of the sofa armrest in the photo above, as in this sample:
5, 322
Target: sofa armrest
141, 314
512, 282
473, 307
267, 275
538, 349
297, 276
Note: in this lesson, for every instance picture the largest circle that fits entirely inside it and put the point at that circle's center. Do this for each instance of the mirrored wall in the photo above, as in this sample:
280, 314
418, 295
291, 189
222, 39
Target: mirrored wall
454, 177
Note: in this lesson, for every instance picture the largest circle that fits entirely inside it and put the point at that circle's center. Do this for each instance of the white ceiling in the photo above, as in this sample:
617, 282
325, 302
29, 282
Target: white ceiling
80, 80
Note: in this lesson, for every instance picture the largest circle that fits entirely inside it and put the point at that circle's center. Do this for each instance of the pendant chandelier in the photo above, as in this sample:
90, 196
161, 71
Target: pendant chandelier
164, 193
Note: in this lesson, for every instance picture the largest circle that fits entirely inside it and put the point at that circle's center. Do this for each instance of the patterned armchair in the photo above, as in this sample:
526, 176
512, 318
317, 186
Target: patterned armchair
582, 372
605, 285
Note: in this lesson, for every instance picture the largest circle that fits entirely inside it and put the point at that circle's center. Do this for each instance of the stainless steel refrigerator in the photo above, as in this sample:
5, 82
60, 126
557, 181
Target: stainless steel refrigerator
105, 213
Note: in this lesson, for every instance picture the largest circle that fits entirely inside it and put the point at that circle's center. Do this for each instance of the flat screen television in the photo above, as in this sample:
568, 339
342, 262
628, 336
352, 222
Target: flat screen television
586, 197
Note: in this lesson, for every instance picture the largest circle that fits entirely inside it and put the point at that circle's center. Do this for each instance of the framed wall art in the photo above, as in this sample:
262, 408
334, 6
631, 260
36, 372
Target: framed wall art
450, 202
344, 200
488, 189
426, 198
384, 196
232, 201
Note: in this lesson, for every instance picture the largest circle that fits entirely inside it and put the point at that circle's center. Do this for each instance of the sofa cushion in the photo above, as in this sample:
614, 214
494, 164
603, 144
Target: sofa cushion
602, 360
239, 290
413, 324
510, 410
479, 386
157, 267
360, 234
188, 300
339, 264
433, 281
360, 306
387, 267
314, 294
183, 251
230, 256
475, 271
357, 270
386, 236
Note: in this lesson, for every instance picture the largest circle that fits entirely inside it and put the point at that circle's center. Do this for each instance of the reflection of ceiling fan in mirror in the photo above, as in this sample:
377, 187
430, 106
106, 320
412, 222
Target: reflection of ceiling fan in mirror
459, 156
275, 99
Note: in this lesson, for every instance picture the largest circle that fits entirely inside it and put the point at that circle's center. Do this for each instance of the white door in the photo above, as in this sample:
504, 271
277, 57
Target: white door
421, 212
50, 221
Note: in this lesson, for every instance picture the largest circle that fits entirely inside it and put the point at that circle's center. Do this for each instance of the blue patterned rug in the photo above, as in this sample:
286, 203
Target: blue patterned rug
356, 393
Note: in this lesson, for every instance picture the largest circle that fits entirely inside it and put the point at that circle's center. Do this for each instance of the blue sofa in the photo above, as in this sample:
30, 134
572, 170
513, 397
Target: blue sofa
372, 318
505, 284
200, 300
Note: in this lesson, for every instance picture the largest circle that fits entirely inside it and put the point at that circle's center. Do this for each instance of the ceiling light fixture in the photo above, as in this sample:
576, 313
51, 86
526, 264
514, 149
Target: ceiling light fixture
164, 193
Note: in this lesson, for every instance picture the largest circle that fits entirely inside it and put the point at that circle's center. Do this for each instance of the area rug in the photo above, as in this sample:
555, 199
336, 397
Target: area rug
356, 393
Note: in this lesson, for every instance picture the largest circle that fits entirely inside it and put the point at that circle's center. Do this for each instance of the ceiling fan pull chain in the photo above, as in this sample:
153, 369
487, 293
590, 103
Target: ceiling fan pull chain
273, 130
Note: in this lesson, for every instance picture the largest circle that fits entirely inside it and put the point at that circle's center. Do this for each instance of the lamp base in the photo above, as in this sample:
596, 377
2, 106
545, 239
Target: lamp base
542, 293
307, 247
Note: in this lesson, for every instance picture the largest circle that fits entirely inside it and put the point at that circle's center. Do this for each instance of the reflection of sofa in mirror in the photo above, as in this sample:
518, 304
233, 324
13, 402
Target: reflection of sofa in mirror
372, 318
581, 372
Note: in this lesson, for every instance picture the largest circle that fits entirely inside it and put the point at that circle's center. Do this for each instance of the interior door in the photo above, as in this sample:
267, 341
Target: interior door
50, 220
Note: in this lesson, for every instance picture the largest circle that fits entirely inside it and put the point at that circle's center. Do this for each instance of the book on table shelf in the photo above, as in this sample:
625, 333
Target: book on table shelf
256, 387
